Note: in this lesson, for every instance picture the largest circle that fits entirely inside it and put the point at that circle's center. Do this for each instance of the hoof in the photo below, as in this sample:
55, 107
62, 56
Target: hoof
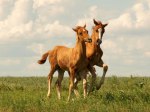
59, 98
48, 96
98, 87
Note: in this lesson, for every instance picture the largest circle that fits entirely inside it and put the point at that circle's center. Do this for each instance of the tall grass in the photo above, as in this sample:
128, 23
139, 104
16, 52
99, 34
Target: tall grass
116, 95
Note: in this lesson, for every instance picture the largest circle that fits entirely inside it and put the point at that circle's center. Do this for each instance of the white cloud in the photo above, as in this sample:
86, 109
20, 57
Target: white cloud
5, 7
142, 12
21, 14
54, 10
124, 21
33, 66
47, 13
135, 18
128, 61
18, 23
88, 17
42, 3
26, 22
128, 36
37, 48
112, 46
126, 43
16, 33
147, 54
93, 11
10, 62
56, 29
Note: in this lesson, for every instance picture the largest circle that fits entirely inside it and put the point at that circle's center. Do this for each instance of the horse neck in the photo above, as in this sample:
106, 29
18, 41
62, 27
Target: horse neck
94, 41
80, 47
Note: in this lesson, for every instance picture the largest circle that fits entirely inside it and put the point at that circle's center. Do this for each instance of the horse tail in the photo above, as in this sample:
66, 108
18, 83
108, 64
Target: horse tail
44, 57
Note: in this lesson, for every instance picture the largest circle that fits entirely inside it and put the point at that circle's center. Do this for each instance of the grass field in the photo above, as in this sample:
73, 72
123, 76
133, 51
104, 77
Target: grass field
116, 95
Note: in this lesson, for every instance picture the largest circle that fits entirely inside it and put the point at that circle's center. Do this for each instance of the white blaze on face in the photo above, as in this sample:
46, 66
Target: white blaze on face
100, 33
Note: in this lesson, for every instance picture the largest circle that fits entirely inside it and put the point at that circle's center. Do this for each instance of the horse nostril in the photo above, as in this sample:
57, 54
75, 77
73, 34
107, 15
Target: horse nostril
99, 41
89, 39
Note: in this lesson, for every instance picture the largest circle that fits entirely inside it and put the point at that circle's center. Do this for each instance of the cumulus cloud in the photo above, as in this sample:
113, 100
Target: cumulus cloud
127, 36
93, 12
88, 17
5, 8
33, 66
37, 48
136, 18
18, 23
10, 62
56, 29
112, 46
147, 54
27, 22
41, 3
126, 49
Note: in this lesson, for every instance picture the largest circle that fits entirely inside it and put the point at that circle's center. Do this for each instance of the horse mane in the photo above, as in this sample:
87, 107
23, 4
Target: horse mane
78, 27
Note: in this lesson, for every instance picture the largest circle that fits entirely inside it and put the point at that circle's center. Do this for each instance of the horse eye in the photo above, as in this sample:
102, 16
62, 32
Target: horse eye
80, 33
96, 30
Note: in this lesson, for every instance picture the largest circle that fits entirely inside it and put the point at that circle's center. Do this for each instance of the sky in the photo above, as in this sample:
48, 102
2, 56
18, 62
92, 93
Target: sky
28, 28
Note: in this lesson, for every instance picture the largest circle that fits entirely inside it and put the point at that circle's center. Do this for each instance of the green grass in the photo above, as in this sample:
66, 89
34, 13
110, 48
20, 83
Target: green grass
116, 95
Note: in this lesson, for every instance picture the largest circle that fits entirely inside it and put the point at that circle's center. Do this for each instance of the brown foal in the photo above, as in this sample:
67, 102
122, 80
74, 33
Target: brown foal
96, 58
73, 60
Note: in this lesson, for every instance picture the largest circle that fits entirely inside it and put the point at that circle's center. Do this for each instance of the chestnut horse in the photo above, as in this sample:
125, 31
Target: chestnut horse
73, 60
96, 59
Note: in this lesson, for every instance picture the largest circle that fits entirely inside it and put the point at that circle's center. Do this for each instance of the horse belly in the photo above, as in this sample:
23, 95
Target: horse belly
63, 63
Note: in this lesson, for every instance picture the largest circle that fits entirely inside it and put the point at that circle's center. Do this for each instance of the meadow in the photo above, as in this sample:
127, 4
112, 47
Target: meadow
118, 94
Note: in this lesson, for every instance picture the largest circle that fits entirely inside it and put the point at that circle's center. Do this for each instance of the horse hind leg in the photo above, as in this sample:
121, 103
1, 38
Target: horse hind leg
93, 81
50, 77
58, 82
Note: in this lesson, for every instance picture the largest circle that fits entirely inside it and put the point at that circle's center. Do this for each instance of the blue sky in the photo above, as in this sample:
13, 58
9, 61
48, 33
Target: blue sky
28, 28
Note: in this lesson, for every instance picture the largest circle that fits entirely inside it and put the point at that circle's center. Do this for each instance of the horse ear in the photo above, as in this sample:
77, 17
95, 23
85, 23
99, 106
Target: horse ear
105, 24
84, 26
74, 29
95, 22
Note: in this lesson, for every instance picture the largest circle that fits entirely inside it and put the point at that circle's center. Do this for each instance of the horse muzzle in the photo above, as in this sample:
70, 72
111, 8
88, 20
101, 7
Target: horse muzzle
89, 40
99, 41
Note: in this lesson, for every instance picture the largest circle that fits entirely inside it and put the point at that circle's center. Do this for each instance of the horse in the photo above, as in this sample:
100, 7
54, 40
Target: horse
73, 60
97, 59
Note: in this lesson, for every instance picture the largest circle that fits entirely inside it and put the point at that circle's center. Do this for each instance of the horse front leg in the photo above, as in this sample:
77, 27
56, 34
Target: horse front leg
85, 85
92, 83
77, 79
71, 85
105, 68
